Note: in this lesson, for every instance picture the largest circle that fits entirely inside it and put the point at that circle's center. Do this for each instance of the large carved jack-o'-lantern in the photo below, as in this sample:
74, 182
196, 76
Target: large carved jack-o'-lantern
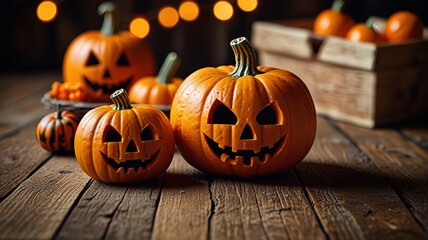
124, 143
245, 120
107, 60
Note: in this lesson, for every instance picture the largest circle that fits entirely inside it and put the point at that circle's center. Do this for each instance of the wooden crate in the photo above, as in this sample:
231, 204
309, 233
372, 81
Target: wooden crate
362, 83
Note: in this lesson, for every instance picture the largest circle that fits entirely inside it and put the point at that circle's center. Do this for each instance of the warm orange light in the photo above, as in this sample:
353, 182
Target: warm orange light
46, 11
140, 27
247, 5
168, 17
188, 10
223, 10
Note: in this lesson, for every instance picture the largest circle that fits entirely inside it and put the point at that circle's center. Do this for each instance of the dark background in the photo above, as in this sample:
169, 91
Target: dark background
28, 45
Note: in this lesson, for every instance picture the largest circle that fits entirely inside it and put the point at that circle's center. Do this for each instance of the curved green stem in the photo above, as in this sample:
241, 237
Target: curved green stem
337, 5
111, 18
121, 100
169, 68
245, 58
370, 22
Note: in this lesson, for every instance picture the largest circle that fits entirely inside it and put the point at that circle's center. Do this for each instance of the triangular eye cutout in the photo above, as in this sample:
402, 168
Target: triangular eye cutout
92, 60
112, 135
267, 116
146, 134
221, 114
122, 61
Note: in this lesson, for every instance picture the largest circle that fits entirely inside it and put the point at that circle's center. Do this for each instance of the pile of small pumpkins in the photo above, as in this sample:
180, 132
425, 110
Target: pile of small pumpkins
400, 27
243, 120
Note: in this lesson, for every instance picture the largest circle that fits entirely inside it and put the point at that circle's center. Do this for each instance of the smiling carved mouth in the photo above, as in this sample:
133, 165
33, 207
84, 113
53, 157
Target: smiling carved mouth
105, 88
248, 156
135, 164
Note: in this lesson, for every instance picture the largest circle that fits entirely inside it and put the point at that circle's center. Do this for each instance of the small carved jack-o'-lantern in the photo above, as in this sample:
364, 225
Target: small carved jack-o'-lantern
243, 121
124, 143
107, 60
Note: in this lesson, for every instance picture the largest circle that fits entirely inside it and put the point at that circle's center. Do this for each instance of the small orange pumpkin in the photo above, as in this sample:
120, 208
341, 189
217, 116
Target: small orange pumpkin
107, 60
55, 132
245, 120
160, 89
365, 32
332, 22
124, 143
402, 26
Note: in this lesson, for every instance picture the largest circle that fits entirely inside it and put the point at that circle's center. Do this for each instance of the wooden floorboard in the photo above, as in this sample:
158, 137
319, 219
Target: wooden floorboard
400, 161
185, 204
38, 206
350, 195
20, 156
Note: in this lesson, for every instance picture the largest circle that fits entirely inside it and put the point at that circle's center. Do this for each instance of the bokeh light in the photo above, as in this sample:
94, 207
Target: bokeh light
168, 17
223, 10
140, 27
247, 5
46, 11
188, 10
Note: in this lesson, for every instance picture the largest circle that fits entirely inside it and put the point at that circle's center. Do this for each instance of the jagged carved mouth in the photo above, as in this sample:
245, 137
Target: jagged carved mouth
105, 88
135, 164
248, 156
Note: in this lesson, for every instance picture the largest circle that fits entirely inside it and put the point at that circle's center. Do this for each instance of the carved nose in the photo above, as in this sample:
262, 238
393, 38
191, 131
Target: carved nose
247, 133
107, 74
131, 147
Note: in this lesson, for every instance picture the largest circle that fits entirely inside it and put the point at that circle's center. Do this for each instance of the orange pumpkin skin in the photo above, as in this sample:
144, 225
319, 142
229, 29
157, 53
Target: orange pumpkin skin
258, 124
107, 60
363, 33
332, 22
403, 26
55, 132
148, 91
124, 143
160, 89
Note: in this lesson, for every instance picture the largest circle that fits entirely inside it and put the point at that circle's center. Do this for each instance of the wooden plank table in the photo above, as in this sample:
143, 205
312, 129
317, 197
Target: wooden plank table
354, 184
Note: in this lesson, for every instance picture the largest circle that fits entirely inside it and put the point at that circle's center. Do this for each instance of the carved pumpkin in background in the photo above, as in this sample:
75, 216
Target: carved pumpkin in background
107, 60
55, 132
245, 120
124, 143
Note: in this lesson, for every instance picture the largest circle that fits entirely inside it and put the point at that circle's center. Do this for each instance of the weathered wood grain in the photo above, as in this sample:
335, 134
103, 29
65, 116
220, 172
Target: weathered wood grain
16, 87
270, 208
113, 212
21, 113
38, 206
417, 133
20, 156
185, 204
400, 161
135, 215
350, 195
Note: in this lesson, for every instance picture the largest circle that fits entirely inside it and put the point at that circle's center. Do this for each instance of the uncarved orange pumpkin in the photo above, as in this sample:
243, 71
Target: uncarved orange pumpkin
403, 26
55, 132
124, 143
245, 120
365, 32
107, 60
333, 22
160, 89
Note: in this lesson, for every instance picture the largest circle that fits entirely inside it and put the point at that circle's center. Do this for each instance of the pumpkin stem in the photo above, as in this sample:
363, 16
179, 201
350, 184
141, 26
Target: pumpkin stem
370, 23
169, 68
58, 112
245, 58
337, 5
121, 100
111, 18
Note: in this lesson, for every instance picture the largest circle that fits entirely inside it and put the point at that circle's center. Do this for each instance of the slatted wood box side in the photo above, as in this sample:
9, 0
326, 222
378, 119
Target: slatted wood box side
361, 83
